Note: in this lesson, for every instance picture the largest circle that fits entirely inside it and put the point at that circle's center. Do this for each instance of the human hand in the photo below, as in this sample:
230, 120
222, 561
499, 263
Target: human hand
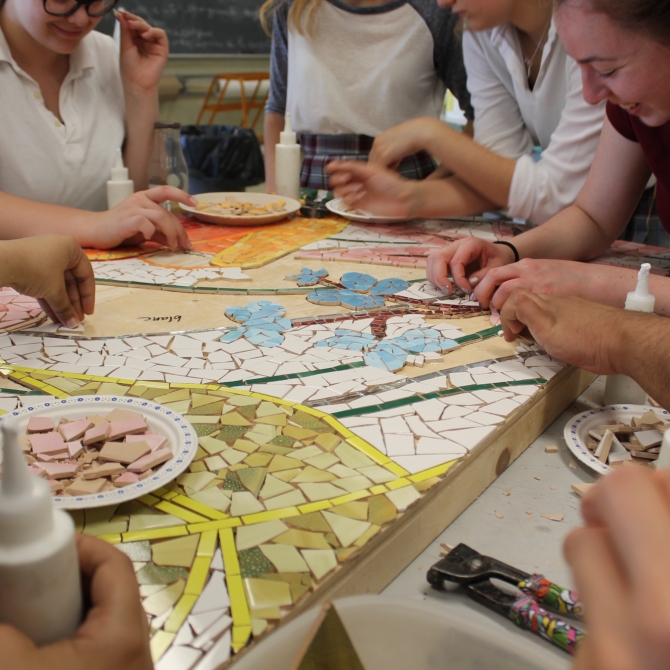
115, 633
55, 270
140, 218
469, 260
553, 277
373, 188
573, 330
620, 561
144, 51
391, 146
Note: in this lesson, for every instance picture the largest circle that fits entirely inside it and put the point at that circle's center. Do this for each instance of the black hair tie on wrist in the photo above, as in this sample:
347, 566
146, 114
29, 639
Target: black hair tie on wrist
512, 247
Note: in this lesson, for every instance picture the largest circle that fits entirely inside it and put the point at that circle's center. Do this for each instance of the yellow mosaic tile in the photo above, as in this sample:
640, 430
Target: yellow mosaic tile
207, 544
376, 490
181, 610
270, 515
198, 576
201, 509
229, 552
178, 552
159, 644
432, 472
155, 534
110, 539
349, 497
213, 525
238, 601
180, 512
241, 635
398, 484
315, 507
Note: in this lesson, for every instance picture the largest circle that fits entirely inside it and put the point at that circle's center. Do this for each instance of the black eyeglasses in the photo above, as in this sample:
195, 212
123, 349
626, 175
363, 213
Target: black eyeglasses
94, 8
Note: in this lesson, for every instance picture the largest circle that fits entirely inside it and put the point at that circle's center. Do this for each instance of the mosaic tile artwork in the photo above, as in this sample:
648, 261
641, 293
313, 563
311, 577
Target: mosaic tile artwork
280, 493
18, 311
312, 439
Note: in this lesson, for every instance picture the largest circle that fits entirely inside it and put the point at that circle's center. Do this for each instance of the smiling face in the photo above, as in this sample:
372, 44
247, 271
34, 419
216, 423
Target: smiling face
627, 68
481, 14
61, 35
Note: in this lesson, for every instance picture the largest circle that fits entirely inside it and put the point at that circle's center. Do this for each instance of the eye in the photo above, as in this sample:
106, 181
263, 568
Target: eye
606, 75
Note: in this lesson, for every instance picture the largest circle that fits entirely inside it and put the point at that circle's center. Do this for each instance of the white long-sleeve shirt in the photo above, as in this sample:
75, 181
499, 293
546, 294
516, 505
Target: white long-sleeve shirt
510, 119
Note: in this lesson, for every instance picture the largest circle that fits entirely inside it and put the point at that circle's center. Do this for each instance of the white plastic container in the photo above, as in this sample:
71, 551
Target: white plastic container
620, 389
288, 163
394, 634
40, 585
119, 187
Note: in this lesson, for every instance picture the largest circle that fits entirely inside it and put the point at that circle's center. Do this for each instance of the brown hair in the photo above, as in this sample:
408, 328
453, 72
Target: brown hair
648, 16
299, 16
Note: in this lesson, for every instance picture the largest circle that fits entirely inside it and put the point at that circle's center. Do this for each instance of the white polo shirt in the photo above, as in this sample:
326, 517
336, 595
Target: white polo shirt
66, 163
510, 119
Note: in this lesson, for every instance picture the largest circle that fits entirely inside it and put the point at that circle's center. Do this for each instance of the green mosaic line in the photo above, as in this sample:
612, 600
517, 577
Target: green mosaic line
295, 375
481, 335
420, 397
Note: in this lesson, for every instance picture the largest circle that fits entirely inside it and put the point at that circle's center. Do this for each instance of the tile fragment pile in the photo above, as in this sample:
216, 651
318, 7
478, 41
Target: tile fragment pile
94, 454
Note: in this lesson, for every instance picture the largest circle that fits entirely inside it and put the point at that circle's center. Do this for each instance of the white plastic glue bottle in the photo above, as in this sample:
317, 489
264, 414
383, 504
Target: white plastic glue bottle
619, 388
119, 187
40, 585
288, 163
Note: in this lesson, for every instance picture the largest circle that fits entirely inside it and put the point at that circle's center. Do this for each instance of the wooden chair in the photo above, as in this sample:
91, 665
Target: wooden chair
230, 84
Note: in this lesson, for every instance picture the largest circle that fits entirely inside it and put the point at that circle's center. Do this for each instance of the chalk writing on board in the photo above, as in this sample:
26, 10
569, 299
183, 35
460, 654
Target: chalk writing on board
205, 26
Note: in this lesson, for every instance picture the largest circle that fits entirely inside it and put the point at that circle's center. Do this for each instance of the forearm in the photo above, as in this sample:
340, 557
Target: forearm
272, 126
484, 171
24, 218
640, 349
441, 198
142, 112
570, 235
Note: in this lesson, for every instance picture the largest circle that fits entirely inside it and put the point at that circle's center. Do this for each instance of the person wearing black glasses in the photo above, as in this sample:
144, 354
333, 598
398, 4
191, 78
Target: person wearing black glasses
69, 100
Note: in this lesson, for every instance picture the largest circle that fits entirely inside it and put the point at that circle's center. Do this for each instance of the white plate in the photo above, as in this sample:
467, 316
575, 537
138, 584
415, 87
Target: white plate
182, 440
577, 429
292, 206
338, 207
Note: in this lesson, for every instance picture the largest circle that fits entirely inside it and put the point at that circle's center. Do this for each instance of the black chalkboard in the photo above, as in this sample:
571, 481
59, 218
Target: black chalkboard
203, 26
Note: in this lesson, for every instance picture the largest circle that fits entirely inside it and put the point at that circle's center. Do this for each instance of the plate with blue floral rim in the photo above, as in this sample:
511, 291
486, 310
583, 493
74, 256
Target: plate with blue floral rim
577, 429
182, 441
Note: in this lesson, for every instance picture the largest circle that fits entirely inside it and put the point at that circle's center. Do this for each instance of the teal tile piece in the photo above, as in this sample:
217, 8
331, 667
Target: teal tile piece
389, 287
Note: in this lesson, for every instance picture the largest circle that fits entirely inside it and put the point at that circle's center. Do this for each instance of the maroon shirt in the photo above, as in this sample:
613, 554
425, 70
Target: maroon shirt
655, 145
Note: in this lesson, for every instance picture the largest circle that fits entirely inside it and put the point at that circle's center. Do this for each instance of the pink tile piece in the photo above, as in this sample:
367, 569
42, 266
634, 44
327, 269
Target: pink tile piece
98, 433
150, 460
40, 424
46, 443
74, 449
125, 479
73, 430
60, 470
154, 440
127, 426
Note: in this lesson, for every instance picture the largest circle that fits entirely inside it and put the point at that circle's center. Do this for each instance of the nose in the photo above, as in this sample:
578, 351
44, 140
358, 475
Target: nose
80, 18
594, 89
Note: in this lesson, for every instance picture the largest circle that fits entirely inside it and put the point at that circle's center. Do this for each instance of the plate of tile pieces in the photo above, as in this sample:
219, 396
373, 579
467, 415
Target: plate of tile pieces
242, 209
338, 207
103, 450
608, 437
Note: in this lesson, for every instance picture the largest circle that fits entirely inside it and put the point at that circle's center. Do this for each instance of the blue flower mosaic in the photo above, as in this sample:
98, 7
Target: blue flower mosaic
263, 323
389, 354
345, 298
309, 277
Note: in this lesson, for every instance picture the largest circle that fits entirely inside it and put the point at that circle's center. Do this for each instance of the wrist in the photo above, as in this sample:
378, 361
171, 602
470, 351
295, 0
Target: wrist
509, 250
135, 92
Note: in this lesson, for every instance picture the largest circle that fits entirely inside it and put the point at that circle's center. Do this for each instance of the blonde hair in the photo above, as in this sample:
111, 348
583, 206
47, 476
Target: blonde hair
299, 16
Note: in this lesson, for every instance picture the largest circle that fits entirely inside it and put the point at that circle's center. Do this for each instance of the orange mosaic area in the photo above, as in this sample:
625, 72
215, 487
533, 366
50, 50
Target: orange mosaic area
269, 243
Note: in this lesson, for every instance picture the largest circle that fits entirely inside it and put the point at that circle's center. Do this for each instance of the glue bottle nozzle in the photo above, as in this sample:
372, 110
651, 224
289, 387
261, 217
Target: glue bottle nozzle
640, 300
